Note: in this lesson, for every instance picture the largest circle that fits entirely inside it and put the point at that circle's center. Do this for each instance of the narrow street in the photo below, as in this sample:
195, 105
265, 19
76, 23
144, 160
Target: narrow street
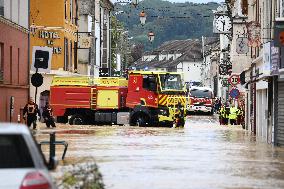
201, 155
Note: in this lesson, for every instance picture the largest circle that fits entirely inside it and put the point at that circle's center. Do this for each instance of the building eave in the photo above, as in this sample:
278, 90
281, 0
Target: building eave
13, 25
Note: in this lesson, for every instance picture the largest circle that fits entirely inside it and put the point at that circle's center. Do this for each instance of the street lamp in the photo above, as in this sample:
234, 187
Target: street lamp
135, 2
142, 16
151, 36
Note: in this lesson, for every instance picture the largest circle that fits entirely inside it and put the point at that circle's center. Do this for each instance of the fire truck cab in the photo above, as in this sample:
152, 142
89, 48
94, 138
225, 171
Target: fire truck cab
146, 98
201, 100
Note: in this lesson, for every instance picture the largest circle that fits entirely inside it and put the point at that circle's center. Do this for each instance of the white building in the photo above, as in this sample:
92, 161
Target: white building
178, 55
94, 19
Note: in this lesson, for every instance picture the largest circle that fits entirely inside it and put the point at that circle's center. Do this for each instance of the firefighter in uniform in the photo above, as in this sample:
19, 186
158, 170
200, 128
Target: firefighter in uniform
30, 113
179, 116
47, 115
226, 114
222, 114
233, 115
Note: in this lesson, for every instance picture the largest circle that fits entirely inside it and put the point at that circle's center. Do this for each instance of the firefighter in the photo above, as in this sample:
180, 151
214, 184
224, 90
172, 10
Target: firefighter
47, 115
179, 116
222, 114
226, 114
241, 115
233, 115
30, 113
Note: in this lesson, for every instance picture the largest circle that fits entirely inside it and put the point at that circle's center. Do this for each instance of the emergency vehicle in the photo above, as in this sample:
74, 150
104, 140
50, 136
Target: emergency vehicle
201, 100
145, 98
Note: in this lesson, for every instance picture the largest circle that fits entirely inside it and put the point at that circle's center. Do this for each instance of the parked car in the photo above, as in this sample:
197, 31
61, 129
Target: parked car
22, 164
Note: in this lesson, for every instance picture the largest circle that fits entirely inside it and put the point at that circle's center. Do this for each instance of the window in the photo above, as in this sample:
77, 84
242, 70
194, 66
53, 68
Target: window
1, 7
1, 61
71, 54
66, 55
71, 10
201, 93
171, 82
14, 152
65, 9
150, 82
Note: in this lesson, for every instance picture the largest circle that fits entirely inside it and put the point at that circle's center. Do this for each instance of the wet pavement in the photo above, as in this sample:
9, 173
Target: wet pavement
201, 155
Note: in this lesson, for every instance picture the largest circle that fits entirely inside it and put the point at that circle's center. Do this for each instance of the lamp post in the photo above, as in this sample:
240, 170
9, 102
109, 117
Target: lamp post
142, 16
135, 3
151, 36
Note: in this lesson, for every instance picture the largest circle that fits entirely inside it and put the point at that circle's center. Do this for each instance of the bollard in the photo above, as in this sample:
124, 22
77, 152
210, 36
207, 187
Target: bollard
52, 148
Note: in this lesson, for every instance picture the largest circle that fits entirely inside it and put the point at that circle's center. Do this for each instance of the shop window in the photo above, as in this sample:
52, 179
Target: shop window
1, 7
66, 55
1, 61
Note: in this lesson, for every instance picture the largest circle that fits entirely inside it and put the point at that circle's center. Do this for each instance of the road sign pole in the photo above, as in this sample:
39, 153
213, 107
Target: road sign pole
36, 87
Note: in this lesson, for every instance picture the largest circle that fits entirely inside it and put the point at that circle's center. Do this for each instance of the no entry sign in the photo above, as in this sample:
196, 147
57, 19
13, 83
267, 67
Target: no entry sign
235, 93
234, 80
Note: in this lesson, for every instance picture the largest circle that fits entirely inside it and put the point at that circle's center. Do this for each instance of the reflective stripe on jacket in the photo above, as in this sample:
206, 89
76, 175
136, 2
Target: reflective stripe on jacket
233, 113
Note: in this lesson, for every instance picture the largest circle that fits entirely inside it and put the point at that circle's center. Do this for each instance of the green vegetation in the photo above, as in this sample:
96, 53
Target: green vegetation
167, 20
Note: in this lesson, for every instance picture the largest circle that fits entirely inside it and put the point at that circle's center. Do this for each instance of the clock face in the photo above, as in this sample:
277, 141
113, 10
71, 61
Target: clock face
223, 23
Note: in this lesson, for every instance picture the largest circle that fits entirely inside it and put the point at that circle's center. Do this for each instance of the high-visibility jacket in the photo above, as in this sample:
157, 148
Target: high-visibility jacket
233, 113
222, 112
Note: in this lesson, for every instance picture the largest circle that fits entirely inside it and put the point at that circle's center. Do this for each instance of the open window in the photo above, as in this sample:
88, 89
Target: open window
150, 83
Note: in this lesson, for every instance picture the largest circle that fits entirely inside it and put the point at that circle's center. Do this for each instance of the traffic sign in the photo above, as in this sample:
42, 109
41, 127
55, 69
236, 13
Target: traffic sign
37, 80
234, 80
225, 82
41, 59
235, 93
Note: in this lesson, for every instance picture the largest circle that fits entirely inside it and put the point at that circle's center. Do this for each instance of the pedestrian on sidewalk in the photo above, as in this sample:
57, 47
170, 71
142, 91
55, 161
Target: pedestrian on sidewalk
30, 113
47, 115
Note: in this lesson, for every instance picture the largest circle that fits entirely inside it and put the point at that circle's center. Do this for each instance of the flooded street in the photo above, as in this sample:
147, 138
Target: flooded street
201, 155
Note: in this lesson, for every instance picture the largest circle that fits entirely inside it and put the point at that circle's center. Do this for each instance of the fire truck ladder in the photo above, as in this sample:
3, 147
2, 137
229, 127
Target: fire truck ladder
93, 98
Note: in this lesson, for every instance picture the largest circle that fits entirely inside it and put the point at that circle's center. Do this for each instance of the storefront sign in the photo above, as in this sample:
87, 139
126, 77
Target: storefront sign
50, 39
275, 60
279, 34
254, 34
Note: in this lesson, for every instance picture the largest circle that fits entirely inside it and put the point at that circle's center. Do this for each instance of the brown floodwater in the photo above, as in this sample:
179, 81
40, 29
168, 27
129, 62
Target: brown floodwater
201, 155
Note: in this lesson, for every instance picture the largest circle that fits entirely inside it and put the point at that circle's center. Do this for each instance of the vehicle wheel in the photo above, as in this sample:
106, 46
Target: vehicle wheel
76, 120
142, 120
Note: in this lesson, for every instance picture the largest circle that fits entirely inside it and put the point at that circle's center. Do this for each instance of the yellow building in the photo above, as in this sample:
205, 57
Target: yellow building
53, 24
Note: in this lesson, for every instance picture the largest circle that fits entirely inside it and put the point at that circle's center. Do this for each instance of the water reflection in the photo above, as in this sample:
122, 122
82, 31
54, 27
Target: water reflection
202, 155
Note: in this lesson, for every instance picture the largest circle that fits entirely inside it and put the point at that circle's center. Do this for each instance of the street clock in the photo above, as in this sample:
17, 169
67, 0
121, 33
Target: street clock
222, 24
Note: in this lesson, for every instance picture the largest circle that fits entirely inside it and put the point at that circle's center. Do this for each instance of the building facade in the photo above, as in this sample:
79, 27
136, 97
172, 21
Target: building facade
14, 61
254, 22
94, 26
54, 24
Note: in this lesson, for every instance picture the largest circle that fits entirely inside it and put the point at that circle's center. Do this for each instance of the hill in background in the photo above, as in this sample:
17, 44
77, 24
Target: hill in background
167, 20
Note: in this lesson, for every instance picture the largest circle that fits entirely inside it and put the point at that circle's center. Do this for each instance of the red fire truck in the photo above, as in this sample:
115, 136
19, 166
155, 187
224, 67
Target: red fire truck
201, 100
146, 98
